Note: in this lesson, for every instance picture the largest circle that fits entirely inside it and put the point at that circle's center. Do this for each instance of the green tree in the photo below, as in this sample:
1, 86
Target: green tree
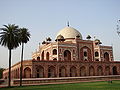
24, 36
9, 38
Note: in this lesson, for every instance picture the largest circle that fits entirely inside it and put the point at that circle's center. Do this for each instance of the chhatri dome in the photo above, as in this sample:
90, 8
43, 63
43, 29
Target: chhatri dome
69, 33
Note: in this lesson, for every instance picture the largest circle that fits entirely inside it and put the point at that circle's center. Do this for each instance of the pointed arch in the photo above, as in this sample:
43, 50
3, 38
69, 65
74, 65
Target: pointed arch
47, 56
106, 56
54, 52
67, 55
39, 72
38, 58
107, 70
114, 70
85, 54
62, 71
51, 71
96, 54
82, 71
42, 55
99, 71
73, 71
27, 72
18, 73
91, 71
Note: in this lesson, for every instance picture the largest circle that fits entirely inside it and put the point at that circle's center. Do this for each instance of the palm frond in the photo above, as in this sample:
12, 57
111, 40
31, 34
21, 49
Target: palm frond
9, 36
24, 35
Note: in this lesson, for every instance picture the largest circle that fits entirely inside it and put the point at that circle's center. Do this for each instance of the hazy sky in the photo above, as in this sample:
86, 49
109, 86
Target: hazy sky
45, 18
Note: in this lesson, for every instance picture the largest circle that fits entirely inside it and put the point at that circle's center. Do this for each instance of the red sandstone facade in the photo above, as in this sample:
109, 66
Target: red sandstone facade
68, 56
45, 69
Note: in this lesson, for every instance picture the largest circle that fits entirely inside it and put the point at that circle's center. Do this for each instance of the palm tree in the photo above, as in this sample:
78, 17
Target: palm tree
24, 36
9, 39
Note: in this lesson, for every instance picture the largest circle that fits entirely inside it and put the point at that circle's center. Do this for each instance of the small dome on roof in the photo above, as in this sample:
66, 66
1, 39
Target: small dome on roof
69, 33
60, 37
97, 40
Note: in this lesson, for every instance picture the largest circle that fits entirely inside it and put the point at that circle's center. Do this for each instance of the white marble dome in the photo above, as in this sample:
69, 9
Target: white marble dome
69, 33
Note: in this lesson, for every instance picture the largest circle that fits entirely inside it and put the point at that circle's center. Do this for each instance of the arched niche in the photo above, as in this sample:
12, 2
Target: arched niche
27, 72
106, 56
67, 55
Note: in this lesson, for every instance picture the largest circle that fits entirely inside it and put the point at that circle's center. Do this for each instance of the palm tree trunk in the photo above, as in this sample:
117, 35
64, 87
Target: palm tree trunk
21, 68
9, 78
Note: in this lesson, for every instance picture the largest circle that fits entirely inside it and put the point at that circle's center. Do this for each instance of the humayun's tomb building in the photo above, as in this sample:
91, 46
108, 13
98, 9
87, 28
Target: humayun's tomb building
68, 56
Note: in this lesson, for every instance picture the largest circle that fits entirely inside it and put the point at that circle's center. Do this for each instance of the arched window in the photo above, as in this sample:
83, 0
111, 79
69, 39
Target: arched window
42, 55
106, 56
38, 58
96, 54
54, 52
47, 56
67, 55
85, 54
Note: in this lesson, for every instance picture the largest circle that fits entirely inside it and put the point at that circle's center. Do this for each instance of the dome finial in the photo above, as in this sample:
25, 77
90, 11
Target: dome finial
68, 23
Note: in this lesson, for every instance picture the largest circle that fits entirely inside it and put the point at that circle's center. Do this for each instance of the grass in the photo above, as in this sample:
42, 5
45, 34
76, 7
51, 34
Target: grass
104, 85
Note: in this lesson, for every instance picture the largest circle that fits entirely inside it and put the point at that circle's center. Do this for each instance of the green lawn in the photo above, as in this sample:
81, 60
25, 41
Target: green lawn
115, 85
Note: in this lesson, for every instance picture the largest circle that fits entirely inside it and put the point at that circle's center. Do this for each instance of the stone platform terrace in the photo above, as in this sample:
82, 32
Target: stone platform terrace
62, 80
